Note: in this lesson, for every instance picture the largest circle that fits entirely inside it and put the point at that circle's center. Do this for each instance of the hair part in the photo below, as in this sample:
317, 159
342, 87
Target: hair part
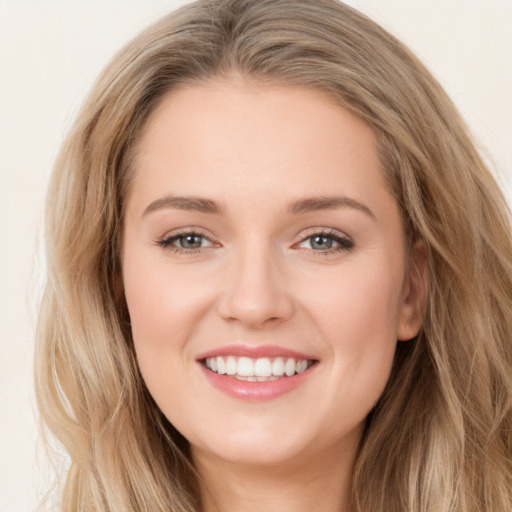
440, 438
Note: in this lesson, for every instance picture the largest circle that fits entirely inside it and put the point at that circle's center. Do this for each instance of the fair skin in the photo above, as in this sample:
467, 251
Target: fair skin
295, 252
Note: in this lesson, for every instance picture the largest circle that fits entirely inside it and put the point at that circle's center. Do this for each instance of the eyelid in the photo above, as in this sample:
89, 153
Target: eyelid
167, 240
344, 241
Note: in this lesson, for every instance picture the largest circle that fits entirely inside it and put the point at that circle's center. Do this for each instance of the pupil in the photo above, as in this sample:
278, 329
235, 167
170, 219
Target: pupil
191, 241
321, 242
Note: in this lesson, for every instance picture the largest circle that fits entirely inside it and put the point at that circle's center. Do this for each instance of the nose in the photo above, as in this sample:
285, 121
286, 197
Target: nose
255, 292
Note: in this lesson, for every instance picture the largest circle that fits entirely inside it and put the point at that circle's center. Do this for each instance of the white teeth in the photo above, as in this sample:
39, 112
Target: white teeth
261, 369
245, 367
302, 366
221, 367
231, 365
278, 367
289, 367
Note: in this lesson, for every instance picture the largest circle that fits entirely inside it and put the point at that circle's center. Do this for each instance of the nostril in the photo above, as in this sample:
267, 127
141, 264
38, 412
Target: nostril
258, 310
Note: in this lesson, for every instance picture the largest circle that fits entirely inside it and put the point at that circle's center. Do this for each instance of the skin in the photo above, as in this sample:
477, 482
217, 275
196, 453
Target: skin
259, 279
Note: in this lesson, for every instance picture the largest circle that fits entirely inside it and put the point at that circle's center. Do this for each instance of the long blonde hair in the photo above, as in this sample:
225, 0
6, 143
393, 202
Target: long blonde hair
440, 438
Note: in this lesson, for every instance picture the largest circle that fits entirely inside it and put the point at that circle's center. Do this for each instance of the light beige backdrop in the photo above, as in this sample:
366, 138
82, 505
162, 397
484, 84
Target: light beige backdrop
51, 51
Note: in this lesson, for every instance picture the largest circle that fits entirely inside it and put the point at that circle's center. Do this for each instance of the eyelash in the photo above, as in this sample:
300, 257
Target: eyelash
344, 242
168, 241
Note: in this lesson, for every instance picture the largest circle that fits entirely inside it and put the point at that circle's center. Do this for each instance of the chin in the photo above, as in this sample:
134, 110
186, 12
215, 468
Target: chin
271, 444
251, 454
259, 443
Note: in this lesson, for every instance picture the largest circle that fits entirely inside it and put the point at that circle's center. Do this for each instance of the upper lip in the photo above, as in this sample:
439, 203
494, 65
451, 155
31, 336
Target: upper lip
253, 351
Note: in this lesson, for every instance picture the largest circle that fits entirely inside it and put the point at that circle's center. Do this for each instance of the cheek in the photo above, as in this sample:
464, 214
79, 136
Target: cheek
163, 312
160, 298
359, 303
367, 315
166, 306
358, 317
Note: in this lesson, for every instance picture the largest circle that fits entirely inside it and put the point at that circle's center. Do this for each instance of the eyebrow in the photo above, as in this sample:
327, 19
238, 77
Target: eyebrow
197, 204
313, 204
300, 206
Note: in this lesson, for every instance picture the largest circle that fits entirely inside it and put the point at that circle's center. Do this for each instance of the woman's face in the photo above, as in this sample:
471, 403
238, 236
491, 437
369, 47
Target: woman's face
264, 268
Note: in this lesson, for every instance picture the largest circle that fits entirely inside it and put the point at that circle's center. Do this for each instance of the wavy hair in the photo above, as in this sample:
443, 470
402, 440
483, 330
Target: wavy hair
440, 437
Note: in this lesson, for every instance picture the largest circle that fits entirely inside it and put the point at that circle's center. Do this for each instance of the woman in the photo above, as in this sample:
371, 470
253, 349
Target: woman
279, 276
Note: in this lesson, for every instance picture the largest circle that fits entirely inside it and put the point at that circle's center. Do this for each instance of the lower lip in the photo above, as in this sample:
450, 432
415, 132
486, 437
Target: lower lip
256, 391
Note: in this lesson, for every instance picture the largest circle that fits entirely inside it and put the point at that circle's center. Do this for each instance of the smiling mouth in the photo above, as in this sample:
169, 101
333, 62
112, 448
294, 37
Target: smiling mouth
257, 370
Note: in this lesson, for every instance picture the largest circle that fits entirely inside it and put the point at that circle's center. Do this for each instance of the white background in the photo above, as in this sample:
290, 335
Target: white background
51, 51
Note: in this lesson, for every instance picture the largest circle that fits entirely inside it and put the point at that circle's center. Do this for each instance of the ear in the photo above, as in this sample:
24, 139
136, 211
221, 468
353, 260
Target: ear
414, 294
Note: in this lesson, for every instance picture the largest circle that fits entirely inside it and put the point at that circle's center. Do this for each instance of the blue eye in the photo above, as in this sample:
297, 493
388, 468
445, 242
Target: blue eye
326, 242
188, 241
321, 242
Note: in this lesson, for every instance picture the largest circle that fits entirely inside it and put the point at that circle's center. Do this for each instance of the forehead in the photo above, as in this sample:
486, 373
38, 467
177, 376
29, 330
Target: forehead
235, 138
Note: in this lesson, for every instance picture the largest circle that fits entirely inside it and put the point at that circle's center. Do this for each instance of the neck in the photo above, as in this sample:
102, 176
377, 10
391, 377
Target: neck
319, 482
